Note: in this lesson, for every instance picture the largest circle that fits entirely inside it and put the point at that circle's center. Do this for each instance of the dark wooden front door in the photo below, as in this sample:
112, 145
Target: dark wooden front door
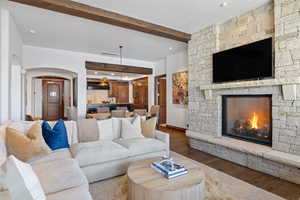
53, 99
161, 97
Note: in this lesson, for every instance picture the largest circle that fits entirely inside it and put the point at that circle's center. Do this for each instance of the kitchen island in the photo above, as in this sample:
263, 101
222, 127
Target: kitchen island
92, 108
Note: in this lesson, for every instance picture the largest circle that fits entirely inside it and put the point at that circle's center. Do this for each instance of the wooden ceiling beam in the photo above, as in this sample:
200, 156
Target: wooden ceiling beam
117, 68
100, 15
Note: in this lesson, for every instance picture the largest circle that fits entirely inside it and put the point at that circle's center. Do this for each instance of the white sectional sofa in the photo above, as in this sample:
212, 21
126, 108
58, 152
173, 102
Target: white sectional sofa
93, 161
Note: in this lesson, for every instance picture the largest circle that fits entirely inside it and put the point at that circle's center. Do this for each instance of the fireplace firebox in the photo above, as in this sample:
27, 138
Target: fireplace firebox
248, 117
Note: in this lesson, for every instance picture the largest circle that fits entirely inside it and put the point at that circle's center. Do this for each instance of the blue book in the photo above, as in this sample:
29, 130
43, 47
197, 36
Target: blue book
177, 174
159, 170
174, 175
168, 167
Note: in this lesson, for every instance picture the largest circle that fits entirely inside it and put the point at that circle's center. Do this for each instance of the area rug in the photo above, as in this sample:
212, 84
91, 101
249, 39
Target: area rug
219, 186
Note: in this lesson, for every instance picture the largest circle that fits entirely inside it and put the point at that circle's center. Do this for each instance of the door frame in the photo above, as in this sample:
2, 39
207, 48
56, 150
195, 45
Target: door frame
156, 78
54, 79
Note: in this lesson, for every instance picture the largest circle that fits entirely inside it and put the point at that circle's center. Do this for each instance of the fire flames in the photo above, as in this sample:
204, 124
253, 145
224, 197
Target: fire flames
254, 121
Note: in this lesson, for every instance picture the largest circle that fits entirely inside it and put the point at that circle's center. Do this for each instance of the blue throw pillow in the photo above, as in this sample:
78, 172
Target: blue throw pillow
56, 138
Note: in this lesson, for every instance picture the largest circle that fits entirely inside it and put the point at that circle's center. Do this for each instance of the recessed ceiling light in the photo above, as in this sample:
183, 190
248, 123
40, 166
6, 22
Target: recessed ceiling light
96, 72
223, 4
32, 31
170, 48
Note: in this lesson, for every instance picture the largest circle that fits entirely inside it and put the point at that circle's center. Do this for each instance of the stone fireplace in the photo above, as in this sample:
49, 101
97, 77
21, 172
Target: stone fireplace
248, 117
260, 111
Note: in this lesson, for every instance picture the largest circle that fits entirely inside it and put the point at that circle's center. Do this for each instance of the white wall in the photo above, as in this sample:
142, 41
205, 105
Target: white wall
10, 54
177, 115
4, 64
37, 57
16, 101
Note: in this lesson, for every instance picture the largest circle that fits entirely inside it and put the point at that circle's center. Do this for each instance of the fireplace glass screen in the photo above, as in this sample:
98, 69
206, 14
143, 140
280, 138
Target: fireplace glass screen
248, 118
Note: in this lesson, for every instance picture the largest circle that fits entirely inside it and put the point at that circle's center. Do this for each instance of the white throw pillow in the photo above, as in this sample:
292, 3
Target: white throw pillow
106, 129
21, 181
131, 129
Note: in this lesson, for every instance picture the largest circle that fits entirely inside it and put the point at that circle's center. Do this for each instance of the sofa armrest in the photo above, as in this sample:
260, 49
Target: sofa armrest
165, 138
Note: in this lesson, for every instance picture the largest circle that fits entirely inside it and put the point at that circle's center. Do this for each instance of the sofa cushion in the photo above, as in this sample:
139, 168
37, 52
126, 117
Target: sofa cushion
28, 145
56, 137
54, 155
131, 129
21, 181
138, 146
88, 130
77, 193
106, 130
59, 175
98, 152
117, 125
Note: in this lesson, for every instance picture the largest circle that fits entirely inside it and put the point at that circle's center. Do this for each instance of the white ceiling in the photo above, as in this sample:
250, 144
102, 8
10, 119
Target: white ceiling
55, 30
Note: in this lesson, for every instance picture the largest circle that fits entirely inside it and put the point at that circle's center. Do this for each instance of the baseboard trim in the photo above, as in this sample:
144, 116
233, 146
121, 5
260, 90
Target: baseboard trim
176, 128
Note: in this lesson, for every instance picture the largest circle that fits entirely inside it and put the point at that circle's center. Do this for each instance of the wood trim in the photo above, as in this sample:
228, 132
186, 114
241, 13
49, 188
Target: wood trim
117, 68
100, 15
49, 78
141, 79
97, 80
157, 98
161, 76
176, 128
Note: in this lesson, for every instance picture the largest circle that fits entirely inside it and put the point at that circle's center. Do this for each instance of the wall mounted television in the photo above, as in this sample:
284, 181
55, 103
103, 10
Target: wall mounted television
249, 62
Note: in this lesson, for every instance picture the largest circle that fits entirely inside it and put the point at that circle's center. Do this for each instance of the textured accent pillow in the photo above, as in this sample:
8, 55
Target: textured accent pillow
21, 181
87, 130
148, 127
56, 138
131, 129
26, 146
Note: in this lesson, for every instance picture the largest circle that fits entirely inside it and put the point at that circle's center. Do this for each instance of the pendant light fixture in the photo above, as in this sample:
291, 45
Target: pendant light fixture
121, 60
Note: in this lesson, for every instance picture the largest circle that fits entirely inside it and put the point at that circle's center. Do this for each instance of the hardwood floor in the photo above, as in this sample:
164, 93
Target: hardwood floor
285, 189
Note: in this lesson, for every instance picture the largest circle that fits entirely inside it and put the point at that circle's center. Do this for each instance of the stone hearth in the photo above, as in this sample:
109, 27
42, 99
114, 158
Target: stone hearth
279, 20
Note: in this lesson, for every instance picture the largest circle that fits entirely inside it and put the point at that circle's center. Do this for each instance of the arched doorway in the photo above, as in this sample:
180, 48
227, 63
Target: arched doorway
50, 94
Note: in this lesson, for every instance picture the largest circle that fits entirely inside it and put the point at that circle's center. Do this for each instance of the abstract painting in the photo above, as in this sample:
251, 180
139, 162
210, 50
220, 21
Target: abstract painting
180, 88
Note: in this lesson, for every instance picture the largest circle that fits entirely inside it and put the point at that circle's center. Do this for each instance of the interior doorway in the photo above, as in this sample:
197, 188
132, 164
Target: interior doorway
161, 97
53, 101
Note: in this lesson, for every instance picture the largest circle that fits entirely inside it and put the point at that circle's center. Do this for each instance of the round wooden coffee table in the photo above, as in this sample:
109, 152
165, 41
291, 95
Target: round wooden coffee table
146, 183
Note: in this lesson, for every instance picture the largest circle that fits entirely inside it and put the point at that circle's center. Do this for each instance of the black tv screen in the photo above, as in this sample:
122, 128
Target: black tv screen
252, 61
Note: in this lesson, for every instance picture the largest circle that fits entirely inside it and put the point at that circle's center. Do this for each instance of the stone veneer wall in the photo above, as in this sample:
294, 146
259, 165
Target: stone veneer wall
254, 25
287, 38
204, 114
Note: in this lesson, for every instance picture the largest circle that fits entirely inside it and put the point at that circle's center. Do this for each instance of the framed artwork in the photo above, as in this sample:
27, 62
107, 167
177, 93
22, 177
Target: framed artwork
180, 87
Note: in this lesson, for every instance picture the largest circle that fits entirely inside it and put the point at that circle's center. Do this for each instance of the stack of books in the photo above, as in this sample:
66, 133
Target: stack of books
169, 169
